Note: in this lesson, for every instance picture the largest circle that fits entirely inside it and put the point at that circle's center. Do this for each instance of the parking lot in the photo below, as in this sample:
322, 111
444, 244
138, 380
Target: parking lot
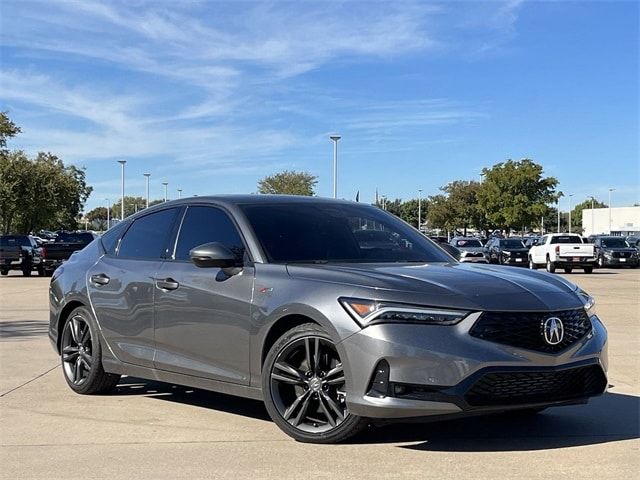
147, 429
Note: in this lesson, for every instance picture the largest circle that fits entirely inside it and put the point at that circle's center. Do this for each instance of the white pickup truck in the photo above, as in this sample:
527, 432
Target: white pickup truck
562, 250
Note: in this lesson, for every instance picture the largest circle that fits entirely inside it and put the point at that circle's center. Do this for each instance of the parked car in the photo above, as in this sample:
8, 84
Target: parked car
450, 249
472, 250
530, 242
273, 298
20, 252
633, 241
65, 244
615, 252
563, 250
507, 251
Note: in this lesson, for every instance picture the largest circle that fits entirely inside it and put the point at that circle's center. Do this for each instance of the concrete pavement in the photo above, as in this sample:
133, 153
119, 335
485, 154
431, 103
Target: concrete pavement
150, 430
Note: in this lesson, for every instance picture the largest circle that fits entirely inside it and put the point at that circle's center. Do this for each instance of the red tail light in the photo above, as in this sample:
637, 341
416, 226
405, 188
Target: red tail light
43, 254
557, 249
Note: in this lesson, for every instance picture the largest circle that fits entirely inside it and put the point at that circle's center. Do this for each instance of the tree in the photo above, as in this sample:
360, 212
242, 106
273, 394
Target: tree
131, 206
289, 182
98, 217
462, 203
439, 213
8, 129
515, 194
39, 193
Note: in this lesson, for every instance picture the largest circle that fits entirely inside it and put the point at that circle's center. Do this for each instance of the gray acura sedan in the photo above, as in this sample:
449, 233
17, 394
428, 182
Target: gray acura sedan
283, 299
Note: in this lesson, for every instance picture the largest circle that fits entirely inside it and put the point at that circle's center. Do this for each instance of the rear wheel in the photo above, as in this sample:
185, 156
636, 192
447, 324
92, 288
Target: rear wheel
568, 269
4, 272
81, 355
26, 272
304, 387
41, 271
551, 267
588, 269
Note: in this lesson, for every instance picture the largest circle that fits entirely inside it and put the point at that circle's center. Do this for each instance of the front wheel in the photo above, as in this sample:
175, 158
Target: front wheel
81, 355
532, 266
304, 387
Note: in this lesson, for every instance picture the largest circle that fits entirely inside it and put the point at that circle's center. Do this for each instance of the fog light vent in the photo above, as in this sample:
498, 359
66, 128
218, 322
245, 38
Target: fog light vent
379, 385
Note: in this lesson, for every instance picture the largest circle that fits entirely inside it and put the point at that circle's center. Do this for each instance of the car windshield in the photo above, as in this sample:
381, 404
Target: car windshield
15, 241
512, 243
468, 243
566, 239
615, 243
325, 232
81, 237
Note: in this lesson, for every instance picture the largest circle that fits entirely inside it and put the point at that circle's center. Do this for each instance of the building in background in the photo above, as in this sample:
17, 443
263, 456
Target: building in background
624, 221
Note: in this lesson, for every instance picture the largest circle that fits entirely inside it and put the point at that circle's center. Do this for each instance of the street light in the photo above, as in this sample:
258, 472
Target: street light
570, 195
179, 193
108, 213
122, 162
165, 190
335, 137
593, 228
147, 175
610, 190
419, 208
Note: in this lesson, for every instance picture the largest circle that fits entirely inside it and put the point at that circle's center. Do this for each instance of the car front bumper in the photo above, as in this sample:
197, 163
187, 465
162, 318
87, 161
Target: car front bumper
437, 370
473, 260
620, 262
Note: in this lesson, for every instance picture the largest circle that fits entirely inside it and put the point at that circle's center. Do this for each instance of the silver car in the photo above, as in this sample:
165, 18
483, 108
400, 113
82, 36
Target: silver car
282, 299
472, 249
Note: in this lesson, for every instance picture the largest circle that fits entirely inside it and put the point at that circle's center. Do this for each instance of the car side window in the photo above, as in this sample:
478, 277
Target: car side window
112, 236
148, 236
205, 225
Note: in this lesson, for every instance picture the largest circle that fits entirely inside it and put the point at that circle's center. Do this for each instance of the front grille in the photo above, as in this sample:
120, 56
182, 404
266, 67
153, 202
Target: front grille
526, 329
621, 255
515, 388
475, 254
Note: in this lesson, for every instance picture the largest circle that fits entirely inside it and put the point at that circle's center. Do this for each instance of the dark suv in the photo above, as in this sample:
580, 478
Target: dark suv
507, 251
615, 252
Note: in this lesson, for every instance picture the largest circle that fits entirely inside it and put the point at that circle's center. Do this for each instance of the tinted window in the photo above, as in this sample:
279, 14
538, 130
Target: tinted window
566, 239
15, 241
80, 237
205, 225
110, 238
324, 232
148, 236
468, 242
615, 243
512, 243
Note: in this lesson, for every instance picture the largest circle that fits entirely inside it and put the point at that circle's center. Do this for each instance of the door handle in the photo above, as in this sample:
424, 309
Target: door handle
167, 284
100, 279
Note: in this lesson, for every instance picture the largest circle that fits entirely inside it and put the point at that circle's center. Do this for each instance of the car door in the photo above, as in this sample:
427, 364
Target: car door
538, 252
202, 315
121, 284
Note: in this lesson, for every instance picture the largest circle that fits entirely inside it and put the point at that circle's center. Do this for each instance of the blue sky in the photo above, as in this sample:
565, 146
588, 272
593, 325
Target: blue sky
211, 97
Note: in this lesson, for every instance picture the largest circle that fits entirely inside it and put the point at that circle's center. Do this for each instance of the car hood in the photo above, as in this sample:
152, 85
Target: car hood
475, 287
622, 250
471, 249
515, 250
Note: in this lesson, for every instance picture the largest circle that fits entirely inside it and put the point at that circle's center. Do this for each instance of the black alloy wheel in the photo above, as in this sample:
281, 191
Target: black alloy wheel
304, 385
80, 353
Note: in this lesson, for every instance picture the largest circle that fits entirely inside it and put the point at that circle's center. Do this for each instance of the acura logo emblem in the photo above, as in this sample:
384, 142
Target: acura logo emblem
553, 330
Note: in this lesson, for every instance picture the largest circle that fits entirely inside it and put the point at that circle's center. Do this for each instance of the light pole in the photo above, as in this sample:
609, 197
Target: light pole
122, 162
179, 193
164, 184
570, 195
147, 175
593, 228
610, 190
558, 209
335, 137
419, 208
108, 213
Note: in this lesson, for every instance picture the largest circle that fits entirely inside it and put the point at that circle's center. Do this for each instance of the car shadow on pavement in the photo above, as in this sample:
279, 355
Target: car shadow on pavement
18, 329
609, 418
191, 396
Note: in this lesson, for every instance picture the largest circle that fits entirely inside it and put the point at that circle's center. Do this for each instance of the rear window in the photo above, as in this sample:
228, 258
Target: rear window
112, 236
148, 237
15, 241
567, 239
469, 243
79, 237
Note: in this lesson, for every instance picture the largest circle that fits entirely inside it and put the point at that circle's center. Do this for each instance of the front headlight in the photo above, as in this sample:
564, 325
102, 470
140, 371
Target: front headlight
589, 302
368, 312
506, 254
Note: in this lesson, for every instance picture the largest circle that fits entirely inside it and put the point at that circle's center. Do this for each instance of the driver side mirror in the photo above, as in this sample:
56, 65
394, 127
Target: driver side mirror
213, 254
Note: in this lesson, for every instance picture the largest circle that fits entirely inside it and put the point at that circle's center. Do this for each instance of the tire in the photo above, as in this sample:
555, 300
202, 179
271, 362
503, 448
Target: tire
26, 272
4, 272
588, 269
551, 267
568, 269
41, 271
298, 386
532, 266
81, 355
48, 272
